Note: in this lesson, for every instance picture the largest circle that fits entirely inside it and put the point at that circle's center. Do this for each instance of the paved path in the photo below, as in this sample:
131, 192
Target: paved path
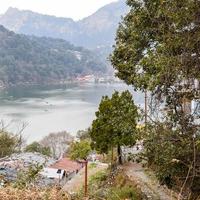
148, 184
75, 184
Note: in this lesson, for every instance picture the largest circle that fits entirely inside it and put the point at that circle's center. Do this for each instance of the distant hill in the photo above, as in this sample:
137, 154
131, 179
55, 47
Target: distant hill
33, 60
95, 31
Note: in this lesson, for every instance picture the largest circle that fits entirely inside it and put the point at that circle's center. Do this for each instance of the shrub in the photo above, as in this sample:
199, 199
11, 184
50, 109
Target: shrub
125, 192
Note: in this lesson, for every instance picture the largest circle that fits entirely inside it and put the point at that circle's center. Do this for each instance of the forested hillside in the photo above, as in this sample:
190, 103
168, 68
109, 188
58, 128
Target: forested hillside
32, 60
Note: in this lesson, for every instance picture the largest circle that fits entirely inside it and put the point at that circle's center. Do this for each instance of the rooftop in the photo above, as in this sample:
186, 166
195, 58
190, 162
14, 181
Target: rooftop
67, 164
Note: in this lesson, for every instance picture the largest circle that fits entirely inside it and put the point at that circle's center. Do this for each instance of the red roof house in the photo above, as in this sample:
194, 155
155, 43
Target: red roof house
67, 164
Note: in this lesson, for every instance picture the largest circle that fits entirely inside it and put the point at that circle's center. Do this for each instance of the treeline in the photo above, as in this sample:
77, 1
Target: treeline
29, 59
53, 145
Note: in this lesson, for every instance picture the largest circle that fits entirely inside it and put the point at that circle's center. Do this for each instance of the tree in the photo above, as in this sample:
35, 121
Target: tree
158, 49
37, 147
80, 150
9, 143
115, 123
57, 142
155, 39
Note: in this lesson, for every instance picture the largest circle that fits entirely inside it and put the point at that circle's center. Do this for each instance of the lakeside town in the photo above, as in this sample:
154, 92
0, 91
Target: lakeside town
90, 78
97, 79
53, 172
109, 107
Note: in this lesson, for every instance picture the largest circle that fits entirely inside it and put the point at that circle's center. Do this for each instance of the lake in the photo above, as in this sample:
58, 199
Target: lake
46, 109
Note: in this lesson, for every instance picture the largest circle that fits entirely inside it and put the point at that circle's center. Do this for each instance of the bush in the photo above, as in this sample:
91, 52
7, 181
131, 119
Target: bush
92, 165
98, 177
27, 178
125, 192
170, 154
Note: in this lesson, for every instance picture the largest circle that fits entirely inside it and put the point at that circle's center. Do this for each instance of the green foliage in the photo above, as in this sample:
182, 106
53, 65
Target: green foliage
32, 60
104, 185
120, 187
155, 39
157, 48
9, 143
79, 150
27, 178
115, 123
92, 165
125, 192
37, 147
98, 178
171, 156
123, 188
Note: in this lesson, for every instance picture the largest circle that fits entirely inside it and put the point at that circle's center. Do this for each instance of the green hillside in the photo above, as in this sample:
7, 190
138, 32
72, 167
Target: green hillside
34, 60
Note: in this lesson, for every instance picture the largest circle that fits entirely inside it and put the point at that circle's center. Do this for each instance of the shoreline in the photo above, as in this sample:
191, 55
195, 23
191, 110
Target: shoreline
59, 83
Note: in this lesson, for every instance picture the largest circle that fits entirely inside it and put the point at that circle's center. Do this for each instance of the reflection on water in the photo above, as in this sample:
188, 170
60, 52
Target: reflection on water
54, 108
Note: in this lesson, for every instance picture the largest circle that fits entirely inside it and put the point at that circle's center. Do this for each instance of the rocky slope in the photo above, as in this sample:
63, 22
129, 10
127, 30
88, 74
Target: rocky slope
95, 31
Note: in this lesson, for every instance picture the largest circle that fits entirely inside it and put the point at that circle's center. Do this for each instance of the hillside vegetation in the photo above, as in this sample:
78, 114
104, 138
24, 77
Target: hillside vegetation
33, 60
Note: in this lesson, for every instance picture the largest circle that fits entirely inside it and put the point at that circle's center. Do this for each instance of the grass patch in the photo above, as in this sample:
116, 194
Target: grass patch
98, 178
102, 186
125, 192
92, 165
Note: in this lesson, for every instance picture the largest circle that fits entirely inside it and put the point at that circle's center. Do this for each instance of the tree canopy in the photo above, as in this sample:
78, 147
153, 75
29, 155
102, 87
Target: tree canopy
37, 147
79, 150
9, 143
115, 123
158, 44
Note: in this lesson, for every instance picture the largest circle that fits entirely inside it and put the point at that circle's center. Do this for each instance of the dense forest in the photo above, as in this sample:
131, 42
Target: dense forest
32, 60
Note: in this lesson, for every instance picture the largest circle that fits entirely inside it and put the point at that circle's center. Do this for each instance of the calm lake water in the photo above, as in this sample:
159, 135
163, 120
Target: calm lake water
54, 108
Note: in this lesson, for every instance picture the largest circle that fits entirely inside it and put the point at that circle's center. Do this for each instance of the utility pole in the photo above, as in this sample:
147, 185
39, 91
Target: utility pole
86, 177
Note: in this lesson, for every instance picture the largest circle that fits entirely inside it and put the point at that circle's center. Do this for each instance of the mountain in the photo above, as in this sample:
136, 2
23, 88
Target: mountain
100, 28
32, 60
95, 31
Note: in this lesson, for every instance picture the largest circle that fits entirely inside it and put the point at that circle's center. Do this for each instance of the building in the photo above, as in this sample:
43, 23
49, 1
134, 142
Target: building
53, 172
62, 170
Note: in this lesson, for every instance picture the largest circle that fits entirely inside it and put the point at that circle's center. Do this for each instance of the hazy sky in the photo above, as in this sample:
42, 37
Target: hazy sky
76, 9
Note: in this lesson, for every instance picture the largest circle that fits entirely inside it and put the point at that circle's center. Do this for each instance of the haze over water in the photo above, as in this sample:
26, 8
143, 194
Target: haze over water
55, 108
